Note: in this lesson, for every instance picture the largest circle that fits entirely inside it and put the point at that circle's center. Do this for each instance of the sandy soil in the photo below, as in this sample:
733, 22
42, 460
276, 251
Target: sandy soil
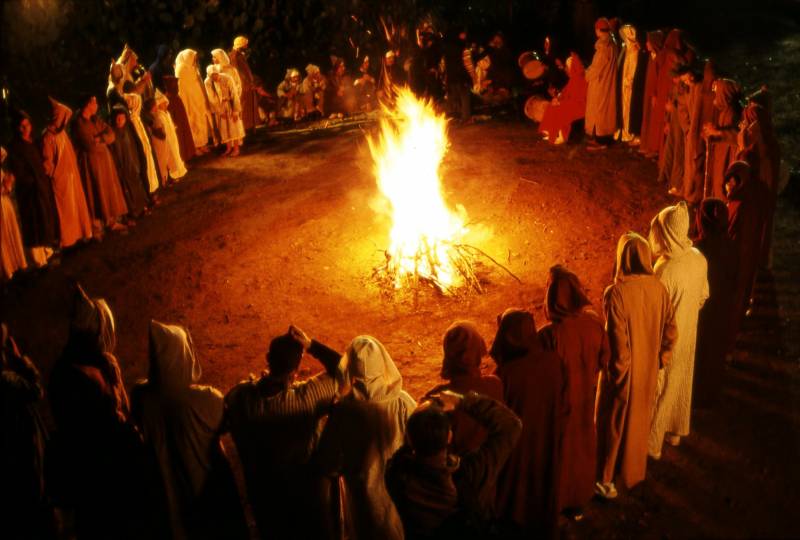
289, 233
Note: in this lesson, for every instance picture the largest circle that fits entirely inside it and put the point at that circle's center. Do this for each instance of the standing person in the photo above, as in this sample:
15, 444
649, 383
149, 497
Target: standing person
61, 165
24, 509
149, 165
652, 128
100, 180
632, 72
341, 99
568, 106
114, 91
193, 95
640, 322
721, 136
464, 348
577, 335
224, 105
364, 429
181, 421
693, 148
12, 255
676, 51
715, 326
527, 490
161, 66
37, 208
129, 165
674, 158
221, 59
601, 94
459, 81
275, 422
684, 272
177, 112
167, 150
250, 85
748, 211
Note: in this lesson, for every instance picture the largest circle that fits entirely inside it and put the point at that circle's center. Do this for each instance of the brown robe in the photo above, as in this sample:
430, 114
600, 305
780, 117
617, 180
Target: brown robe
534, 387
179, 117
100, 181
577, 335
601, 94
249, 98
651, 126
722, 149
640, 321
715, 325
61, 165
675, 52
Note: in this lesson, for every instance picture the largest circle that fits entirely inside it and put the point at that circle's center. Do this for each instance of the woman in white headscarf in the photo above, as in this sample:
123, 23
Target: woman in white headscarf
134, 102
169, 153
364, 429
222, 60
226, 107
192, 93
180, 421
683, 271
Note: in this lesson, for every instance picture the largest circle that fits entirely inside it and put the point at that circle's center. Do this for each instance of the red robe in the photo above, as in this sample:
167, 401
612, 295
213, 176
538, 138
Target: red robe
649, 135
571, 104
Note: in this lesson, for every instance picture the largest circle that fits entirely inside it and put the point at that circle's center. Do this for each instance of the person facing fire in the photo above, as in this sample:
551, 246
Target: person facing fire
290, 105
313, 91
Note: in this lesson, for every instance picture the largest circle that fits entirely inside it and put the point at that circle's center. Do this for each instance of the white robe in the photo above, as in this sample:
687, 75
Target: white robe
134, 102
221, 58
192, 93
225, 104
12, 255
683, 271
170, 153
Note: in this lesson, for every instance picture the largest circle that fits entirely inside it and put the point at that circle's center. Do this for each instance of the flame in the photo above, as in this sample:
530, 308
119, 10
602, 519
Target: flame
407, 154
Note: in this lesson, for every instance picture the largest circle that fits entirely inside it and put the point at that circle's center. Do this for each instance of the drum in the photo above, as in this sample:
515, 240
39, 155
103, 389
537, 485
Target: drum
532, 66
535, 107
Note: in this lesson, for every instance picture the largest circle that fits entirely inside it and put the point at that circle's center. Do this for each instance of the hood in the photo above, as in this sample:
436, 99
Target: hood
633, 257
712, 219
463, 348
628, 34
727, 93
741, 173
60, 115
515, 337
92, 317
669, 231
575, 68
369, 370
564, 296
221, 57
656, 40
186, 63
172, 358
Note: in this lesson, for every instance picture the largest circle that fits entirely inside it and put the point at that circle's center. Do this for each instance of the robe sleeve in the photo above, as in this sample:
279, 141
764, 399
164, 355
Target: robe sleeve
49, 153
327, 356
618, 337
669, 335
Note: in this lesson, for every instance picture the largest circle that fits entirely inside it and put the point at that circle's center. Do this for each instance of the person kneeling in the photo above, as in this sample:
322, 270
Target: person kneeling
439, 494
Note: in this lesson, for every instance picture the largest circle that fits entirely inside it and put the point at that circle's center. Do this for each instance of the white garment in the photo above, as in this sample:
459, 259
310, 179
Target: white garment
192, 93
683, 271
173, 163
225, 105
221, 59
630, 62
134, 102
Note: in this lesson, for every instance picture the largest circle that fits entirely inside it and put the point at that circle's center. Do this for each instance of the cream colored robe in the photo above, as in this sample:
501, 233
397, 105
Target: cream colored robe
12, 254
223, 61
683, 271
192, 93
601, 94
225, 104
134, 102
169, 154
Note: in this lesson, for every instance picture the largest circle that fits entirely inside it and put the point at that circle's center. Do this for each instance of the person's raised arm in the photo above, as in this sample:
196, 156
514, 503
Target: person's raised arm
327, 356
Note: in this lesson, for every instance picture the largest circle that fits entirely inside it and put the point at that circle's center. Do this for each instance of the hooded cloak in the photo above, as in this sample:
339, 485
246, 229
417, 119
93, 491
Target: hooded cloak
61, 165
642, 332
249, 97
12, 254
134, 102
193, 95
177, 112
577, 335
570, 104
128, 157
223, 61
168, 151
722, 149
651, 122
632, 71
683, 271
601, 94
224, 104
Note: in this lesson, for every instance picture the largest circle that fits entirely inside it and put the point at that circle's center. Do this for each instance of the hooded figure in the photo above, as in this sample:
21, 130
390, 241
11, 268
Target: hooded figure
652, 127
249, 97
180, 421
601, 76
224, 104
684, 272
134, 102
12, 255
632, 71
721, 137
193, 95
177, 111
676, 51
364, 429
464, 349
748, 211
114, 92
168, 151
640, 322
61, 165
34, 190
715, 326
569, 106
577, 335
221, 59
129, 159
534, 387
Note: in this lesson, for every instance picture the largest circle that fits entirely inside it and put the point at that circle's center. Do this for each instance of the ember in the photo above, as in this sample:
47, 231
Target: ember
425, 232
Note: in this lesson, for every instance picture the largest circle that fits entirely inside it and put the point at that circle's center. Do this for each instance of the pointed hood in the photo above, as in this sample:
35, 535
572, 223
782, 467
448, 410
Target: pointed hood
669, 231
633, 257
172, 358
221, 58
92, 318
59, 116
565, 295
515, 337
369, 370
463, 348
186, 64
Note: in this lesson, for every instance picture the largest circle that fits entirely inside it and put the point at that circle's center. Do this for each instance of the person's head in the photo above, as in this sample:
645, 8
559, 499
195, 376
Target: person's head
293, 76
712, 218
463, 348
313, 72
368, 372
390, 58
283, 356
655, 41
213, 72
240, 43
119, 116
602, 27
89, 105
633, 257
173, 362
726, 94
736, 177
564, 294
515, 337
23, 125
92, 327
428, 430
669, 231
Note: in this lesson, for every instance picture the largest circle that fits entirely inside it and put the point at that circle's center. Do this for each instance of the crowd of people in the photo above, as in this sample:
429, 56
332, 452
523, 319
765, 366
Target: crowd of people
573, 409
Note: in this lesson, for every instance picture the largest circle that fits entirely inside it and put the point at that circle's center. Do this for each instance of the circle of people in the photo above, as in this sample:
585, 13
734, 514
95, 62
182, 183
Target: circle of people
348, 451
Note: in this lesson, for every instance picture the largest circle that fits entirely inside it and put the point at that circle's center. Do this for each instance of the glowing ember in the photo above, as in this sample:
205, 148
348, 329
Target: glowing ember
407, 155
